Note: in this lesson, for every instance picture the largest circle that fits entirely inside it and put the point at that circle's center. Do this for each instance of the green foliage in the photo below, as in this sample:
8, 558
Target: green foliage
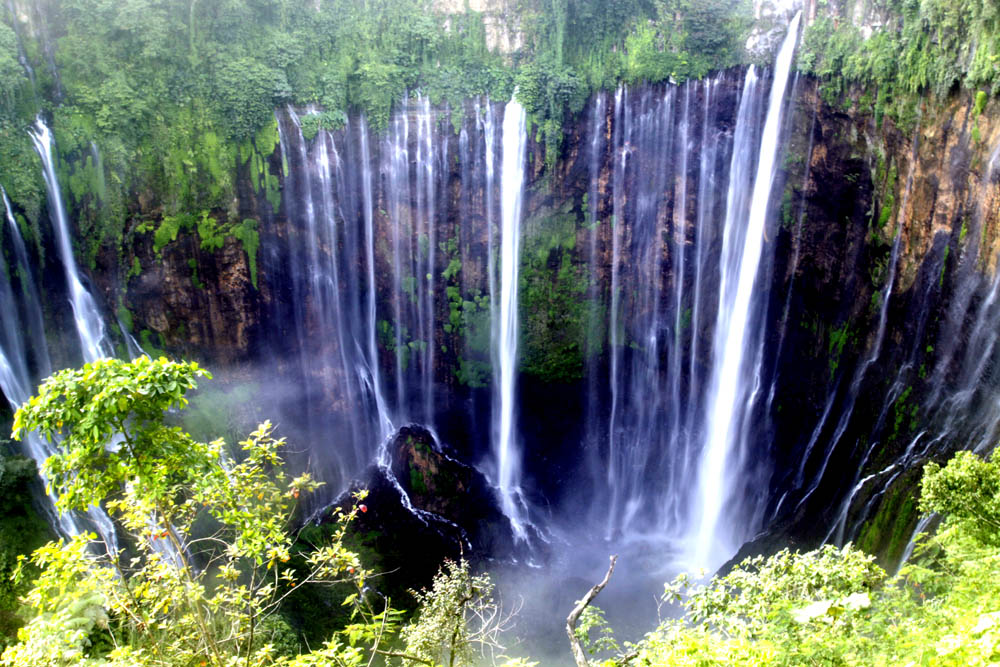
87, 406
593, 622
980, 104
124, 316
21, 531
837, 607
552, 299
11, 72
887, 533
474, 372
168, 229
184, 596
919, 48
248, 90
152, 342
21, 175
580, 47
247, 234
178, 93
904, 414
312, 123
458, 619
968, 491
839, 338
468, 323
211, 233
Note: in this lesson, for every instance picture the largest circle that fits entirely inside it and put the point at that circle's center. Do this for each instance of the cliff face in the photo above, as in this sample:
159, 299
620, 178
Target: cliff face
897, 262
877, 292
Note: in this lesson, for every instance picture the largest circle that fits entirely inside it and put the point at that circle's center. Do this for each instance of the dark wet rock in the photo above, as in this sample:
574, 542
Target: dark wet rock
450, 489
425, 508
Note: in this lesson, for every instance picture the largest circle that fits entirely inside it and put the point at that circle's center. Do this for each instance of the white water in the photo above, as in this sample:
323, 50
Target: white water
489, 135
385, 424
427, 156
617, 223
89, 326
15, 377
677, 351
715, 537
511, 191
24, 360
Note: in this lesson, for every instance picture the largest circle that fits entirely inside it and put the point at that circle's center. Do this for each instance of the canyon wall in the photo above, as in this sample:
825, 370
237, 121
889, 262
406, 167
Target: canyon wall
366, 299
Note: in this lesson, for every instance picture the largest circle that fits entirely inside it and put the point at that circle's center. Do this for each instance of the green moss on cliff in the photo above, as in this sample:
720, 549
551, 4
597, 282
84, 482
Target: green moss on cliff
247, 234
211, 234
176, 94
554, 310
916, 48
168, 229
887, 532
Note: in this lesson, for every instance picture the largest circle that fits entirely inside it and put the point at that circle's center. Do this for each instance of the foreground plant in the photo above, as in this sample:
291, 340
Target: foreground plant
837, 607
458, 624
210, 556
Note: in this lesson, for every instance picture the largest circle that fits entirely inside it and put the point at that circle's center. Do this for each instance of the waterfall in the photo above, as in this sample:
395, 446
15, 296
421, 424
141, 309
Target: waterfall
716, 538
677, 348
511, 187
15, 328
614, 379
670, 186
490, 139
24, 361
646, 327
595, 331
396, 168
331, 276
412, 153
679, 381
371, 307
89, 325
710, 145
960, 404
427, 174
22, 347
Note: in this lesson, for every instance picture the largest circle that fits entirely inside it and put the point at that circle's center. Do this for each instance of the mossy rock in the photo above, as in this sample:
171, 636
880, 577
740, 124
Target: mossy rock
887, 531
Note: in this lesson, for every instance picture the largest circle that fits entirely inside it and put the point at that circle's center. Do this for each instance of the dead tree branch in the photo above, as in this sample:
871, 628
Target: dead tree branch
578, 654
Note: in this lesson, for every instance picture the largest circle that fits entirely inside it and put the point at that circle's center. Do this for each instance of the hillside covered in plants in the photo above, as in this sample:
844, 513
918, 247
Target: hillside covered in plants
499, 288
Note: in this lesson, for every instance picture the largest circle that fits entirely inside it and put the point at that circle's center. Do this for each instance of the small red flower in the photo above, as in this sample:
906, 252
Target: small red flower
363, 508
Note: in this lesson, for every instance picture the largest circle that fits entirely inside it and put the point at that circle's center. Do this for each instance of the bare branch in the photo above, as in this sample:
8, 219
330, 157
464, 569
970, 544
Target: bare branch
578, 655
404, 656
628, 657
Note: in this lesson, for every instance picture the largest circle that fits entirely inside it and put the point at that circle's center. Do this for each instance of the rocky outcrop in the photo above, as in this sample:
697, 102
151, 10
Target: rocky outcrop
450, 489
428, 499
197, 303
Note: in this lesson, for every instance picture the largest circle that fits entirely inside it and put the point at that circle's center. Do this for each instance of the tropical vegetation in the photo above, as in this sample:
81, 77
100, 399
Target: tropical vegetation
172, 101
209, 560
